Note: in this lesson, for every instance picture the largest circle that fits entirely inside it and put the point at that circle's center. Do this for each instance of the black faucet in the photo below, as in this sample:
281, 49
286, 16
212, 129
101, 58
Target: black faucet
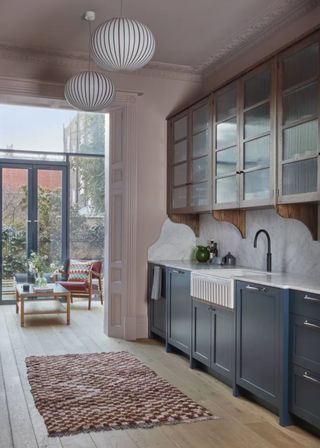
269, 255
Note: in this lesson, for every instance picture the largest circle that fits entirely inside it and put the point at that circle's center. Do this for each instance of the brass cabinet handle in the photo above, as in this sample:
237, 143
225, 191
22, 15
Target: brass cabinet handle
309, 324
310, 378
311, 299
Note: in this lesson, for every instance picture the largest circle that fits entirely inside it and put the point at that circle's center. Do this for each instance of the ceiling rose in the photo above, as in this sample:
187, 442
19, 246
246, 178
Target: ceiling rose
122, 44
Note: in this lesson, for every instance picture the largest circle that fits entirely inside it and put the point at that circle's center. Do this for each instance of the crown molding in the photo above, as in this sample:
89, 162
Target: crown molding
79, 61
259, 29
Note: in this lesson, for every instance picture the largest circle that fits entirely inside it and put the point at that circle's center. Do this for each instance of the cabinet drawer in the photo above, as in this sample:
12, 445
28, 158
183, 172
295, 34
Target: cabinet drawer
305, 304
305, 395
305, 337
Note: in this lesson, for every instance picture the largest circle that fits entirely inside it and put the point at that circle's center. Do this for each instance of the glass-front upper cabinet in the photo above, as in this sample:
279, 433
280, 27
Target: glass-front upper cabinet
244, 141
257, 146
189, 160
299, 112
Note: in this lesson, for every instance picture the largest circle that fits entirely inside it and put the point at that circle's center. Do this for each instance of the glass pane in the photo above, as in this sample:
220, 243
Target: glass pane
301, 103
300, 140
180, 128
52, 130
200, 144
200, 195
257, 121
292, 66
14, 229
300, 177
50, 216
180, 174
226, 190
180, 151
257, 88
227, 133
200, 169
257, 152
87, 184
226, 161
257, 185
179, 197
226, 103
200, 118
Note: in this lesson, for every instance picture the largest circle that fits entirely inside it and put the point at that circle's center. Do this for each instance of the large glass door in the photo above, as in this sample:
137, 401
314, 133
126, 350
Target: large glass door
33, 207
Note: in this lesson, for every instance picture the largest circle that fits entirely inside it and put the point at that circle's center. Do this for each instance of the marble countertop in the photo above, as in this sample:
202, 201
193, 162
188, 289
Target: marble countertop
274, 279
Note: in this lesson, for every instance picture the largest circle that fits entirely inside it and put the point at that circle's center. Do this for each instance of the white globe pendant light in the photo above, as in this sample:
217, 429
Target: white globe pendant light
90, 90
122, 44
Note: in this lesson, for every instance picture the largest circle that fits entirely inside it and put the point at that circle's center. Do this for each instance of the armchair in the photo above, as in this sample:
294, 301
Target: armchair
87, 287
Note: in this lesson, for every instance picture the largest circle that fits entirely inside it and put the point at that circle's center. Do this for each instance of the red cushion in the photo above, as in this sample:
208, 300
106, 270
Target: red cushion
96, 267
75, 286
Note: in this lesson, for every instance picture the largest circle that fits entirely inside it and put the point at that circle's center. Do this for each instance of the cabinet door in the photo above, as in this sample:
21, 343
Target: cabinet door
179, 312
201, 331
200, 158
226, 148
258, 340
257, 137
178, 163
299, 78
157, 308
223, 342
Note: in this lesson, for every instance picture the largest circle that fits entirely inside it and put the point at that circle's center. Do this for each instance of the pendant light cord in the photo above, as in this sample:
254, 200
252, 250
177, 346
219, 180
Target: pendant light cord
90, 35
121, 8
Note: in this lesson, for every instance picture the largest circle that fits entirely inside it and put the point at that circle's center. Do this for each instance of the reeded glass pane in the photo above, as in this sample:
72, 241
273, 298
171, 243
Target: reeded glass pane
300, 140
200, 195
257, 152
200, 169
257, 185
179, 197
226, 103
301, 103
180, 174
257, 88
226, 190
180, 151
200, 144
226, 161
180, 128
227, 133
200, 118
300, 66
300, 177
257, 121
53, 130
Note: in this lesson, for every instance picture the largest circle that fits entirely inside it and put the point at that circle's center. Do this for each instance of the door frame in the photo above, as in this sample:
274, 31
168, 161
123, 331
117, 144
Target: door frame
32, 233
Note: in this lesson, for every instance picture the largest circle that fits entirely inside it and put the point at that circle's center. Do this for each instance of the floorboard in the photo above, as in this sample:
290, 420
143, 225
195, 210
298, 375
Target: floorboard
241, 423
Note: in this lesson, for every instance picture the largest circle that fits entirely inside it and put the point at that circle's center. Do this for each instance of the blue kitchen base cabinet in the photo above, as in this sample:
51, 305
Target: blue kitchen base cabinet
178, 310
157, 308
305, 357
213, 338
262, 345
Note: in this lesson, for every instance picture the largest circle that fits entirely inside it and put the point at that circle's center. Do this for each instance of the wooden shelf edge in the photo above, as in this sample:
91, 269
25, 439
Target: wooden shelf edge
234, 217
191, 220
305, 213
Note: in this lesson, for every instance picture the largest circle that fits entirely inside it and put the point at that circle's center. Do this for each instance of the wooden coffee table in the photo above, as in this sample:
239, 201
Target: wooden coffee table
58, 293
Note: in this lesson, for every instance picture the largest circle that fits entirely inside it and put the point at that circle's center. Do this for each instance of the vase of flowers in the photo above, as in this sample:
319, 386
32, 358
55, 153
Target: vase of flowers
36, 265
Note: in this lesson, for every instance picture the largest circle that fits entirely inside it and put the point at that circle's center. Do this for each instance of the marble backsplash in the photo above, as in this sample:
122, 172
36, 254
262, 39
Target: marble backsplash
293, 249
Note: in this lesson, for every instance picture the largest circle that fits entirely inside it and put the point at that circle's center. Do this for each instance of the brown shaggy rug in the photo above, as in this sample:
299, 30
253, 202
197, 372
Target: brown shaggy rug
95, 391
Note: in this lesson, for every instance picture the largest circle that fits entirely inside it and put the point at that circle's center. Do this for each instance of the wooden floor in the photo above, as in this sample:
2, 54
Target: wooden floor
242, 424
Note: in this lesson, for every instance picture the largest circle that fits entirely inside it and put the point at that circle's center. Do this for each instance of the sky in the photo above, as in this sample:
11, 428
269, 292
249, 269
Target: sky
33, 128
